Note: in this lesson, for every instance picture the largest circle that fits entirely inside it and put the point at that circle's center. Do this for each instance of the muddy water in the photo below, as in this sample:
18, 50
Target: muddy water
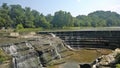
69, 65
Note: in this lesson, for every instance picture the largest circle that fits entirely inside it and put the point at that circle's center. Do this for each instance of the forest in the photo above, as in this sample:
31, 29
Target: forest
15, 16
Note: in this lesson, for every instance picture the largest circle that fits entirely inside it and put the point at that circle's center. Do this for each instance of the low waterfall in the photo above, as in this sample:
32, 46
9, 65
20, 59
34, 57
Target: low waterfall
53, 35
55, 50
14, 62
12, 50
57, 54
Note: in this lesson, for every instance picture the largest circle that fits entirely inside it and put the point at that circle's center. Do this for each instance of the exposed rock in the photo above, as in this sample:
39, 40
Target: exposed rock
117, 50
32, 33
35, 53
14, 34
106, 60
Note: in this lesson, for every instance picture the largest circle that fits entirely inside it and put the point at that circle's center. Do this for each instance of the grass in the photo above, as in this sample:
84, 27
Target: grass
25, 30
29, 30
117, 65
81, 28
3, 56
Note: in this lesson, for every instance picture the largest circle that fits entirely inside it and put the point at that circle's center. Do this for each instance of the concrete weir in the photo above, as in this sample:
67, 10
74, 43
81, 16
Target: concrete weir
89, 38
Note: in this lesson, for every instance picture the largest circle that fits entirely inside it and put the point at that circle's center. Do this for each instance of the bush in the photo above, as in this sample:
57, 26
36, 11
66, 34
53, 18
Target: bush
2, 59
19, 26
117, 65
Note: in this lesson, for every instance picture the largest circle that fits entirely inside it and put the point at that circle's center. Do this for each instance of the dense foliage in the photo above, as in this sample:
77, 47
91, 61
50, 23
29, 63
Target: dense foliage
14, 16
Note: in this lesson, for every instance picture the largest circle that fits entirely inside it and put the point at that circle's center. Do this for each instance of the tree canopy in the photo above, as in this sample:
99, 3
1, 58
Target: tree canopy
12, 16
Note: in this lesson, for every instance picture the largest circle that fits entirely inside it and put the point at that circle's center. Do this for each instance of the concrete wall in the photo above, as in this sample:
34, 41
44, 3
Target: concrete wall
92, 39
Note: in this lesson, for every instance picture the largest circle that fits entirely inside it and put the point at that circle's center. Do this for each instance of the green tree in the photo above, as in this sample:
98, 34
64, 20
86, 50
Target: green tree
84, 20
43, 22
105, 18
62, 19
13, 15
5, 20
77, 22
17, 14
29, 18
49, 18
